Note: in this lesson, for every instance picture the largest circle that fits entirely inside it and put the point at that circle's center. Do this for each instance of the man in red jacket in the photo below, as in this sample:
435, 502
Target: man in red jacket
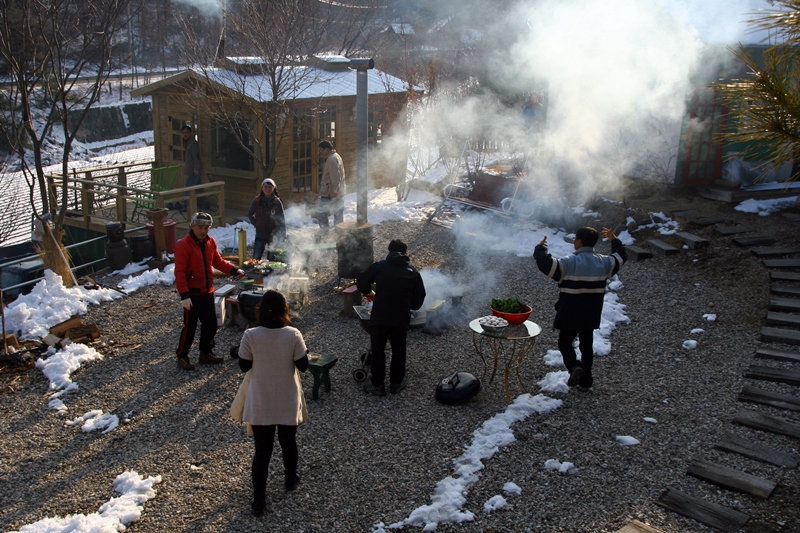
195, 255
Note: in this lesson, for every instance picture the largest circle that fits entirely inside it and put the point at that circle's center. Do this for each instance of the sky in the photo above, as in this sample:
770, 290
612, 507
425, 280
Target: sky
31, 315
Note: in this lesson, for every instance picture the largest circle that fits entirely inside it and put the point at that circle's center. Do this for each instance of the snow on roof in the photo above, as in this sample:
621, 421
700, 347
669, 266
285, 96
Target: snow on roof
402, 29
312, 82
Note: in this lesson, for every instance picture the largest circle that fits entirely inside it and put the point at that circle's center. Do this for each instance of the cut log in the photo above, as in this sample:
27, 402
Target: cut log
691, 240
784, 276
660, 247
771, 424
753, 450
783, 290
636, 253
782, 335
777, 375
708, 513
753, 241
773, 399
782, 319
731, 479
791, 305
773, 252
765, 352
61, 328
733, 230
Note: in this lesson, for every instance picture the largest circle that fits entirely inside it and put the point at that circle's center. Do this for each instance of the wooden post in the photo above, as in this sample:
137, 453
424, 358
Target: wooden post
242, 247
157, 216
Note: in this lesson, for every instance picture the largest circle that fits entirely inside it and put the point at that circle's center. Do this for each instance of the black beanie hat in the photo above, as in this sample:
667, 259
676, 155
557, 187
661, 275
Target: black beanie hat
397, 245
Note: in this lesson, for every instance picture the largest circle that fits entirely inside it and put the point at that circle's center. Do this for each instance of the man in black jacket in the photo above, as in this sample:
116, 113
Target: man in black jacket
398, 290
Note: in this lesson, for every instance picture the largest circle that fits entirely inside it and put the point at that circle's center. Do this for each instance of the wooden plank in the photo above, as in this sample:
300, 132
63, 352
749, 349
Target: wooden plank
784, 290
771, 424
772, 252
757, 451
791, 305
638, 527
765, 352
782, 335
731, 479
773, 399
684, 213
707, 221
782, 319
661, 247
691, 240
784, 276
777, 375
781, 263
637, 254
733, 230
754, 241
708, 513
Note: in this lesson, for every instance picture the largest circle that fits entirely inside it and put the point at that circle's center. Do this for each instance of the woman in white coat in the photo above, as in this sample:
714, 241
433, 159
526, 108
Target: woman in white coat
272, 351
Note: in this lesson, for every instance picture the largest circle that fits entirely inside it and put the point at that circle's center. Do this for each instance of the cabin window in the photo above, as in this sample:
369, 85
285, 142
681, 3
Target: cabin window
374, 131
232, 146
303, 152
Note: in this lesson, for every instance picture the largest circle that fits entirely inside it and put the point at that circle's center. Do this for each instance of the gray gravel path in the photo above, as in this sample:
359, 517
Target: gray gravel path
366, 460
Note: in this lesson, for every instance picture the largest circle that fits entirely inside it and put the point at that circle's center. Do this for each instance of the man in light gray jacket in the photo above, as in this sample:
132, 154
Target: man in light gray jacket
331, 187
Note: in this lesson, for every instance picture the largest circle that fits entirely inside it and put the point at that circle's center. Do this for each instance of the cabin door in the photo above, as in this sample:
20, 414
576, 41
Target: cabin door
176, 141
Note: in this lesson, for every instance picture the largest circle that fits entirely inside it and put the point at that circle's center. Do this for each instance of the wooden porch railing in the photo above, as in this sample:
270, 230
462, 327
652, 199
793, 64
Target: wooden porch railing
103, 194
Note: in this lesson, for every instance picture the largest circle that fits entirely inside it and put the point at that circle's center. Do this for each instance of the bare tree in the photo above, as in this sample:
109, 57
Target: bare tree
58, 54
249, 98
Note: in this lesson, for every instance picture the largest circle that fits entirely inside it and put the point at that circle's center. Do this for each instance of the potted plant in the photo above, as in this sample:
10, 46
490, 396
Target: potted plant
514, 311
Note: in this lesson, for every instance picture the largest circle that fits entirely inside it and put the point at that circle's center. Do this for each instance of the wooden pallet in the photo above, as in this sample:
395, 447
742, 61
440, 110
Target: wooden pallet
708, 513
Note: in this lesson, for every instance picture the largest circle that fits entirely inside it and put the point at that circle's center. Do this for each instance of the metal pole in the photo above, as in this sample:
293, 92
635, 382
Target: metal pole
362, 147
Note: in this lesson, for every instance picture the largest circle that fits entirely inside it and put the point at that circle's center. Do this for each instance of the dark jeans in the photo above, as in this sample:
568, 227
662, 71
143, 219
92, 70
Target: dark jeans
397, 371
203, 310
330, 206
264, 437
258, 249
585, 342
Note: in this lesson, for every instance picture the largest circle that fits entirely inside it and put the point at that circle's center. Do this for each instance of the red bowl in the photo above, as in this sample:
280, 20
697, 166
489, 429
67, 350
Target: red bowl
514, 319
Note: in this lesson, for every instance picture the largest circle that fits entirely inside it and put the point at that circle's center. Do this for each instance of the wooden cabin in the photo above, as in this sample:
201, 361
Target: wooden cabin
323, 109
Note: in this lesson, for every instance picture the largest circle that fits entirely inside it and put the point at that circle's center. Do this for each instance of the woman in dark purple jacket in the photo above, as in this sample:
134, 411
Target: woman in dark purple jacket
266, 214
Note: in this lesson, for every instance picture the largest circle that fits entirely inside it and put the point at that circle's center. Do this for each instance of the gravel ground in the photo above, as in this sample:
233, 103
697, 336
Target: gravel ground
366, 460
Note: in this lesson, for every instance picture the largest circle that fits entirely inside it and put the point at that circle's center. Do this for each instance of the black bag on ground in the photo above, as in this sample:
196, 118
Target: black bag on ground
457, 388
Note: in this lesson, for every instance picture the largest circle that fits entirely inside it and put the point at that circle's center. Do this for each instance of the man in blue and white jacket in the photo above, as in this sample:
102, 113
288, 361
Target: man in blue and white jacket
581, 280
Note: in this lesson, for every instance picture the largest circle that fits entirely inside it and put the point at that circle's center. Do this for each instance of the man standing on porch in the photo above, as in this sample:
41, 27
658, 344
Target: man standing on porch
192, 165
331, 187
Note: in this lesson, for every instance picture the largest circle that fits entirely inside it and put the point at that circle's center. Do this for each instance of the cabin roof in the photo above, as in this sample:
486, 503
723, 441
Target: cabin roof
311, 82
